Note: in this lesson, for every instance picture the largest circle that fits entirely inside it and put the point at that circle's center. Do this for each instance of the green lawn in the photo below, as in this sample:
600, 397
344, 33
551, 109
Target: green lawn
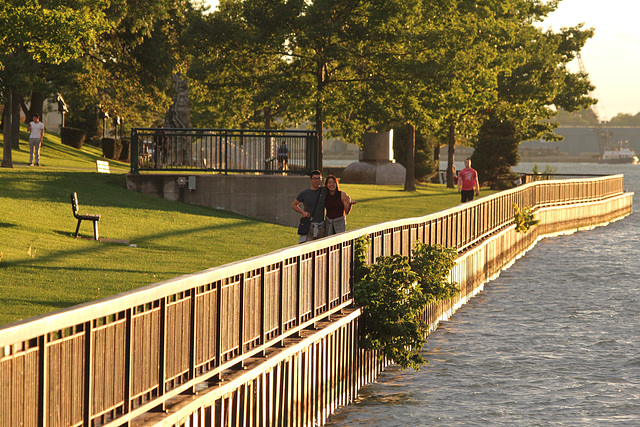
147, 239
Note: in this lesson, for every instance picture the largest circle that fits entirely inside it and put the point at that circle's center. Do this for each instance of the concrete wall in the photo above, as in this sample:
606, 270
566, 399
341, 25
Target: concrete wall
267, 197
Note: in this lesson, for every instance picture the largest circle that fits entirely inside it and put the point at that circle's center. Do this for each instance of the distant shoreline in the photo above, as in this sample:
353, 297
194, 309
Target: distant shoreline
560, 159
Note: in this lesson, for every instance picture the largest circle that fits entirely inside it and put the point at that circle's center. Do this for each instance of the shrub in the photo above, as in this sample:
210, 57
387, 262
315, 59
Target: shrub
125, 154
391, 302
393, 293
72, 137
111, 148
433, 264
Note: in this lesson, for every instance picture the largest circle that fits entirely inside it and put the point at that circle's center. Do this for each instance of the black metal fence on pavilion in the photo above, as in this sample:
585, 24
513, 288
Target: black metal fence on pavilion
223, 150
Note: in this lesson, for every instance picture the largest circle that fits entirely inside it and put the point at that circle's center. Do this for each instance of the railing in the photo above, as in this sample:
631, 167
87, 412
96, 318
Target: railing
109, 361
223, 150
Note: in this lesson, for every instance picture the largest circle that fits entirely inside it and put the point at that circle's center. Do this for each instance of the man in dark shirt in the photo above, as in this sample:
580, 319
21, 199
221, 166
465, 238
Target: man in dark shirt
311, 197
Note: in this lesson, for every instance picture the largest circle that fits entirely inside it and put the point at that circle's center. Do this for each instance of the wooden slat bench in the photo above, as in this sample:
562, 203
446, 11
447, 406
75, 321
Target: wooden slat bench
89, 217
102, 166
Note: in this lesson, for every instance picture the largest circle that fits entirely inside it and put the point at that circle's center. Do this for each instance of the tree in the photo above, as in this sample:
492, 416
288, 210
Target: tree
130, 70
249, 87
436, 73
532, 86
496, 151
539, 83
625, 120
371, 65
32, 35
302, 59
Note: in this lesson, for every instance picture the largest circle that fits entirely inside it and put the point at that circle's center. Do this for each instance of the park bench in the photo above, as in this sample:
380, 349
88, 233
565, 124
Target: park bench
102, 166
88, 217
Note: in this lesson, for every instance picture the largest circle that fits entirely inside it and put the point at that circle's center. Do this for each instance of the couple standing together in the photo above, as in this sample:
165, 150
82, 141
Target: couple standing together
315, 200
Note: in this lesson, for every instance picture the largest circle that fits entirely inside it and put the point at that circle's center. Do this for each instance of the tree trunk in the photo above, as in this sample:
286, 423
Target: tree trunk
267, 117
451, 154
320, 83
15, 121
436, 159
269, 149
36, 106
7, 162
319, 125
410, 179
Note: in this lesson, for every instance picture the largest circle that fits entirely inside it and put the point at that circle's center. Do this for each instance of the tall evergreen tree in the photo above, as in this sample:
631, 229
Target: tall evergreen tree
495, 152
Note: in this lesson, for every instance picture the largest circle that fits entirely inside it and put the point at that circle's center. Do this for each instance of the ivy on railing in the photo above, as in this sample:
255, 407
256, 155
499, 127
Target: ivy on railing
523, 218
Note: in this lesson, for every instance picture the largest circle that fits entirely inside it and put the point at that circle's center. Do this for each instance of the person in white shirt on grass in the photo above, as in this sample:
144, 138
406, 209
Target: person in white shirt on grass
36, 133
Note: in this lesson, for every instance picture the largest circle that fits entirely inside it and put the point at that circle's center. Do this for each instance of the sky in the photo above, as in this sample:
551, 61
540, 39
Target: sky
611, 56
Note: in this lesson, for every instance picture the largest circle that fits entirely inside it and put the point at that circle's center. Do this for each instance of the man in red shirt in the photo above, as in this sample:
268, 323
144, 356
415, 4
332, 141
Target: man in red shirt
468, 181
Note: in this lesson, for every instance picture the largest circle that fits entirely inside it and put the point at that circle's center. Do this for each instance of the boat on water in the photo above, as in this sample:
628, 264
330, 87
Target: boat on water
619, 156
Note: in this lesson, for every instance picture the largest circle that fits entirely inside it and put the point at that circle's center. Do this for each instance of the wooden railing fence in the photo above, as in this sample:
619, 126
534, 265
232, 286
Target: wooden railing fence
110, 361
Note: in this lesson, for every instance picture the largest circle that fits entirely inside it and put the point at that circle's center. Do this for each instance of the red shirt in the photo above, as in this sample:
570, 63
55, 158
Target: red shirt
468, 177
334, 205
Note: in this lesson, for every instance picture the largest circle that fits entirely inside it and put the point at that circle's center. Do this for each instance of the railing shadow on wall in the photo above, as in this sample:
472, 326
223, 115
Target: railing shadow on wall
109, 361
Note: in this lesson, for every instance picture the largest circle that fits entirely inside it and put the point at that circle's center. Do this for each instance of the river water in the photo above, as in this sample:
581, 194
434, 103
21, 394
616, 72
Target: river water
554, 340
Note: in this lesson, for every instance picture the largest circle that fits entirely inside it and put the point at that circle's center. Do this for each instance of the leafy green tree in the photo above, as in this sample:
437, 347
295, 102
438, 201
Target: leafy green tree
539, 83
534, 82
249, 87
356, 66
129, 71
437, 72
303, 60
32, 35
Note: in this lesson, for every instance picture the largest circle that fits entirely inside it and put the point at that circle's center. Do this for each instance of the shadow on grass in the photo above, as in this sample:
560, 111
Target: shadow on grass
94, 189
42, 303
409, 196
145, 242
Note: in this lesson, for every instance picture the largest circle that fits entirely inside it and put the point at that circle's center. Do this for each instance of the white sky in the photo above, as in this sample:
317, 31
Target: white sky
611, 56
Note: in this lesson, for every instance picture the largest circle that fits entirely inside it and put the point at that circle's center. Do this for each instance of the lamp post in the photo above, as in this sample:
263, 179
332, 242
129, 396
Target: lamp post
116, 124
104, 115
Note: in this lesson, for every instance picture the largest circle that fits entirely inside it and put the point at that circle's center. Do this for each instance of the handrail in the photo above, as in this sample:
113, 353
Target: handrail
127, 354
223, 150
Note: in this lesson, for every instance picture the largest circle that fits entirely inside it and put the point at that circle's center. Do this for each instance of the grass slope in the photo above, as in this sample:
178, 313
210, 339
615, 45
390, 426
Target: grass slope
43, 268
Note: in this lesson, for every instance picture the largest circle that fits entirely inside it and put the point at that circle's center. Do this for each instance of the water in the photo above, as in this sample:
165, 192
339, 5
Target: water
554, 340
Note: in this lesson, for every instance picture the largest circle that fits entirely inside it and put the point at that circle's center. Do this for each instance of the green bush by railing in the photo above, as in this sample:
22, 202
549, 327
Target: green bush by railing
393, 293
